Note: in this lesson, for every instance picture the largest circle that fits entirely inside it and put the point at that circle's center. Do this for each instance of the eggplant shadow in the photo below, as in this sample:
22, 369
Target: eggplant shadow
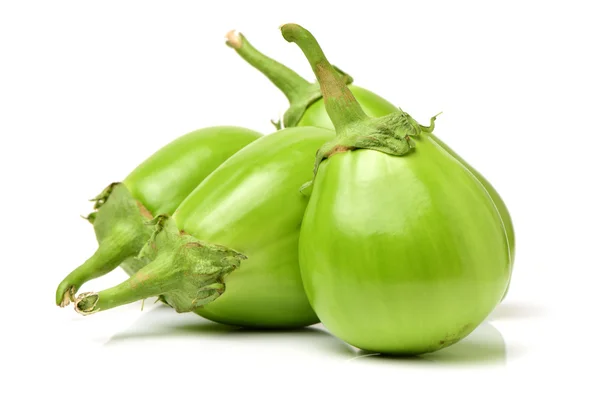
513, 310
484, 346
162, 322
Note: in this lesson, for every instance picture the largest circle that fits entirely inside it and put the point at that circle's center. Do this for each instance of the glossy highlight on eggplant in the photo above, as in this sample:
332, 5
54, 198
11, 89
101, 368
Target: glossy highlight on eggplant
230, 251
307, 108
157, 186
402, 249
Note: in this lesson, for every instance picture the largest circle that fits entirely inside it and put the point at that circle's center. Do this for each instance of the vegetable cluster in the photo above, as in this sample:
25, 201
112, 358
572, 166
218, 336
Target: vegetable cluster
350, 213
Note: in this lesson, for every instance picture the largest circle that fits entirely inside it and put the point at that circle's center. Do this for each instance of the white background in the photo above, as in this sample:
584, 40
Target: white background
89, 89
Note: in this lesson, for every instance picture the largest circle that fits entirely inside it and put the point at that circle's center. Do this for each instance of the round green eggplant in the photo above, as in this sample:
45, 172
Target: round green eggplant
230, 251
157, 186
402, 249
307, 108
411, 258
375, 106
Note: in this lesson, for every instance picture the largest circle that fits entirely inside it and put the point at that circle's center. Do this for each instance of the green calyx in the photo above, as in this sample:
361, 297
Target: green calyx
391, 134
121, 226
185, 272
300, 93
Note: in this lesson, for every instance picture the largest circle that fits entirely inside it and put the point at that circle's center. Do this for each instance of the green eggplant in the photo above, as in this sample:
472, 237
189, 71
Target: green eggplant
237, 230
307, 108
402, 249
157, 186
305, 98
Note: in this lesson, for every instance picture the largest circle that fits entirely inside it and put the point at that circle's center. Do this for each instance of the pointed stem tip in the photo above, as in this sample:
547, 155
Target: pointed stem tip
120, 223
292, 85
110, 253
341, 105
234, 39
188, 273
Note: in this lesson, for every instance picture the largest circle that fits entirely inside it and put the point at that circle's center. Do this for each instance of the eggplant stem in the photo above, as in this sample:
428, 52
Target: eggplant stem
109, 255
68, 296
342, 107
119, 238
186, 272
85, 304
292, 85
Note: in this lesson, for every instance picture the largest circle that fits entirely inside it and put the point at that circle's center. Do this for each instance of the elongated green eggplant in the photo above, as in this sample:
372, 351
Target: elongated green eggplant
246, 214
157, 186
307, 108
402, 249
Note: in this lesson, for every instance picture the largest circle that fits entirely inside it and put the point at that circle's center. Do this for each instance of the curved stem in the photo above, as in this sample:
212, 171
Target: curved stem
150, 281
110, 254
341, 105
122, 229
431, 127
188, 273
289, 82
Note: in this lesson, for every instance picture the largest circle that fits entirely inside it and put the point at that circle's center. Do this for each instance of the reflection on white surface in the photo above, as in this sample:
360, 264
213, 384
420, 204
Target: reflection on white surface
511, 310
162, 322
483, 346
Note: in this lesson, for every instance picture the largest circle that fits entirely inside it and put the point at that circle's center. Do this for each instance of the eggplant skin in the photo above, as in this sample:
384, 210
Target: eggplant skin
165, 178
252, 204
375, 106
162, 181
402, 255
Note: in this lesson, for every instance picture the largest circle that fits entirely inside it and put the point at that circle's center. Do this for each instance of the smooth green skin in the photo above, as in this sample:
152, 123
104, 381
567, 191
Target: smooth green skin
375, 106
165, 179
168, 176
402, 255
252, 204
157, 185
298, 91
